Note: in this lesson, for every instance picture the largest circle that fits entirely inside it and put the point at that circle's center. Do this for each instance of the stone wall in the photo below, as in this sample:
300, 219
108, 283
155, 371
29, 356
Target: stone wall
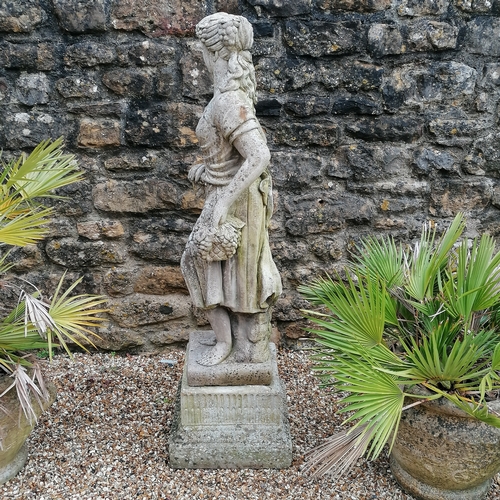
380, 115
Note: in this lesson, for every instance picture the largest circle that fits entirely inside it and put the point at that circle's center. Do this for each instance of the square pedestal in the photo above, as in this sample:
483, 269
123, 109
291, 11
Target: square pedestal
218, 427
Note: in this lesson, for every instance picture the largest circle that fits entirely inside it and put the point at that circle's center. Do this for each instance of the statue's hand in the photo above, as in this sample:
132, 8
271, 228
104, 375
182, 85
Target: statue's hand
196, 172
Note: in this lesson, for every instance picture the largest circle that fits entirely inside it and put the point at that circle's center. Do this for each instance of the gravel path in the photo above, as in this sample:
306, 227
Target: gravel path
106, 438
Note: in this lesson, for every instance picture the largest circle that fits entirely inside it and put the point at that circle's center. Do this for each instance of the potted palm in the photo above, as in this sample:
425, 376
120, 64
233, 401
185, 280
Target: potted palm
34, 322
413, 338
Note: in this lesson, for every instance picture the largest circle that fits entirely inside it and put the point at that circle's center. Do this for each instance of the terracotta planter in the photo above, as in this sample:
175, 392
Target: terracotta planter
15, 429
441, 453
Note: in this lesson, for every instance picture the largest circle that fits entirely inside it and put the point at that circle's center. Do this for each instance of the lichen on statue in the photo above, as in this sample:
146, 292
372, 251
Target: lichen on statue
227, 263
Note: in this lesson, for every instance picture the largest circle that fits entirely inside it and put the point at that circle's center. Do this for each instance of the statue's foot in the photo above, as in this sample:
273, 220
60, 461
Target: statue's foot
216, 354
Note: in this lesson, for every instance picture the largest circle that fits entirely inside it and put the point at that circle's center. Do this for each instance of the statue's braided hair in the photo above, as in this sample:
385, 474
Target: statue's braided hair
230, 37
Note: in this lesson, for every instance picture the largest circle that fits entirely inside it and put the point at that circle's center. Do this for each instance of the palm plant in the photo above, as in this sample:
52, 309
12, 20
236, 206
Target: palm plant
409, 324
36, 322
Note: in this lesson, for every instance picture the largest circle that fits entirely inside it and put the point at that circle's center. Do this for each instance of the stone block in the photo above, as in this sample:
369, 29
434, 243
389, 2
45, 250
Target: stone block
357, 104
126, 162
301, 105
21, 17
158, 247
427, 160
138, 310
159, 280
456, 132
283, 8
129, 81
296, 173
302, 134
98, 133
476, 6
33, 88
227, 373
119, 281
385, 40
196, 80
354, 5
78, 86
146, 53
168, 81
318, 38
76, 16
363, 76
431, 35
88, 54
158, 17
135, 196
18, 55
422, 7
75, 254
97, 229
483, 36
387, 128
231, 426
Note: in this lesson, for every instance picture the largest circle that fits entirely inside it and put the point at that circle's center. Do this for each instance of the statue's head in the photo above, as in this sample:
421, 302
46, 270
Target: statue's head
225, 34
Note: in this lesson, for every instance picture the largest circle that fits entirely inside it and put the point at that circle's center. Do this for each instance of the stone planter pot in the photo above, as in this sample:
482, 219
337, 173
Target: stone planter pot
15, 429
441, 453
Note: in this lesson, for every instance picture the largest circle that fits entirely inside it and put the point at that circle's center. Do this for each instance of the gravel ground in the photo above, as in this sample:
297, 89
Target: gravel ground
106, 438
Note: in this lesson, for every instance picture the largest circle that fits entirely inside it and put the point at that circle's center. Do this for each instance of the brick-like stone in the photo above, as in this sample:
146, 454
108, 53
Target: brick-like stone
358, 104
296, 173
139, 310
354, 5
77, 16
146, 53
456, 132
98, 229
196, 80
301, 134
88, 54
158, 17
33, 88
387, 128
427, 160
119, 281
76, 254
302, 105
283, 8
135, 196
426, 35
476, 6
363, 76
162, 280
318, 38
126, 162
78, 86
422, 7
166, 248
21, 17
483, 36
98, 133
129, 82
385, 40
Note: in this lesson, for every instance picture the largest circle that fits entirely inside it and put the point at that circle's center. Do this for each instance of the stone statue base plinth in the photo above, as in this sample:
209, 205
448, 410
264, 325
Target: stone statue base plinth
218, 427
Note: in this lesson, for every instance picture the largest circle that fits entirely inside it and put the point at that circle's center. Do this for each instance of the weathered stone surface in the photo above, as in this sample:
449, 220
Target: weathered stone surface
491, 76
432, 35
483, 36
145, 161
130, 82
33, 88
80, 16
158, 17
387, 129
422, 7
355, 5
453, 196
283, 8
95, 230
294, 173
98, 109
146, 53
139, 310
21, 17
476, 6
119, 281
159, 247
78, 86
302, 134
28, 129
363, 76
355, 104
385, 40
427, 160
74, 254
196, 81
308, 106
455, 132
159, 280
88, 54
18, 55
168, 81
322, 213
98, 133
135, 196
319, 38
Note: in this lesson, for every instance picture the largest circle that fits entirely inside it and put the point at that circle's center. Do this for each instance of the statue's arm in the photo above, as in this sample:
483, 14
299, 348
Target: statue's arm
253, 148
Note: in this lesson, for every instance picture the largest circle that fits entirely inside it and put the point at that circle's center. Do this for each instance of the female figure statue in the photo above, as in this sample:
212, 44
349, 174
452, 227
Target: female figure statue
227, 263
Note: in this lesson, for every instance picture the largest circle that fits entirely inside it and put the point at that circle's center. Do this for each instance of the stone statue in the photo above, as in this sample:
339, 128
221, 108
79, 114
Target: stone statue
227, 263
